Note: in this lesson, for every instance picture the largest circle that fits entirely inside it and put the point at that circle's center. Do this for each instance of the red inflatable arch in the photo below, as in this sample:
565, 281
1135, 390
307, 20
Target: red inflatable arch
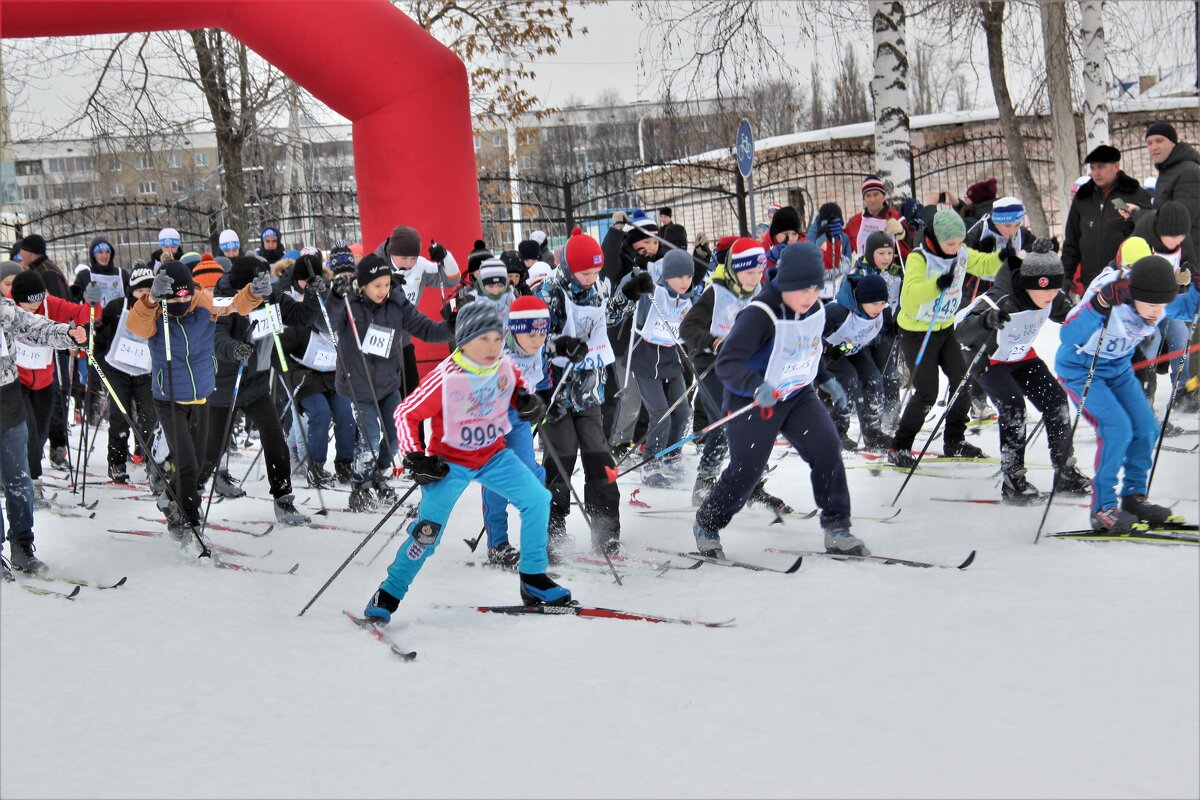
406, 94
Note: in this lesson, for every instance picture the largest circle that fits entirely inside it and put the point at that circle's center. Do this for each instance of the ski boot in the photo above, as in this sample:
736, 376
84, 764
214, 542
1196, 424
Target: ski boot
704, 486
875, 439
842, 542
1144, 510
905, 459
761, 495
318, 477
1069, 480
342, 470
159, 474
981, 409
1113, 520
39, 495
6, 573
653, 477
1017, 491
504, 555
23, 559
361, 499
179, 527
672, 466
58, 457
286, 513
540, 590
382, 488
380, 608
117, 473
226, 486
1171, 429
848, 444
961, 449
708, 543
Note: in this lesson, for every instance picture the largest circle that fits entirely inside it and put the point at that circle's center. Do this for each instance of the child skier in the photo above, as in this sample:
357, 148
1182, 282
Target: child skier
1005, 322
183, 384
850, 330
880, 257
524, 346
1118, 310
489, 283
770, 357
467, 398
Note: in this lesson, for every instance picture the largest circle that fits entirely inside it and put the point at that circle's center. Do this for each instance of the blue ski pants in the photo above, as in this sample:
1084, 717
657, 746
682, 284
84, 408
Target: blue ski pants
495, 505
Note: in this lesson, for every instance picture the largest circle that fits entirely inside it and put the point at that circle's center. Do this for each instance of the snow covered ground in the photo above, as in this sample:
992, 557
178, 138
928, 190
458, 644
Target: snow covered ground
1064, 669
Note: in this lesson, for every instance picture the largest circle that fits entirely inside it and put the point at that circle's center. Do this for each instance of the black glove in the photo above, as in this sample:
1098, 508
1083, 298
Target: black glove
450, 315
1112, 294
316, 285
260, 287
987, 244
555, 414
944, 281
570, 348
995, 318
243, 351
425, 469
833, 351
342, 285
639, 283
437, 253
530, 407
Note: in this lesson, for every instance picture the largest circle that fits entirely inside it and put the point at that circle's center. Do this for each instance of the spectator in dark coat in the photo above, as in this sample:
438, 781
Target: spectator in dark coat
1178, 166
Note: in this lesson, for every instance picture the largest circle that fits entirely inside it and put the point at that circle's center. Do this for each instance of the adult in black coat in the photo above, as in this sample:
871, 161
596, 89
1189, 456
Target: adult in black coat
1178, 166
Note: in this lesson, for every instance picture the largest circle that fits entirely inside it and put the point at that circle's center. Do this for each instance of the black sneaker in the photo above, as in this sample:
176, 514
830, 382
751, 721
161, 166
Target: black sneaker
343, 471
117, 473
58, 457
226, 486
540, 590
504, 555
961, 449
1069, 480
1143, 509
361, 499
901, 458
1017, 490
848, 444
318, 477
875, 439
24, 560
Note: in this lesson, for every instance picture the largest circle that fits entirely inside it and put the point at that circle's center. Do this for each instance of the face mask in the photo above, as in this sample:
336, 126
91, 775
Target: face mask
178, 309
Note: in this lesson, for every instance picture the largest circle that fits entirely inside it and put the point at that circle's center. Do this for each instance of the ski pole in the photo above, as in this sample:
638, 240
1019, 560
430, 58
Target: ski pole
562, 381
1171, 400
613, 474
63, 388
87, 402
237, 385
362, 357
962, 384
1087, 385
361, 544
666, 415
166, 318
1181, 354
275, 336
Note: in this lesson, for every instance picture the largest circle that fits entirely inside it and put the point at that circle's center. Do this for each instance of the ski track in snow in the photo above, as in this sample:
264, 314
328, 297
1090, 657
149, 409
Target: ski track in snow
1064, 669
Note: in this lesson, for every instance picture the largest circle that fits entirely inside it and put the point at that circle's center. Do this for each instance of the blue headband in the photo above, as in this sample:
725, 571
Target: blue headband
169, 241
102, 247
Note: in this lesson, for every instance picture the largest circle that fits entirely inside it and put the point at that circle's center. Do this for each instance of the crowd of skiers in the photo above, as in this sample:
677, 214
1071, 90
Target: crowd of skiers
609, 351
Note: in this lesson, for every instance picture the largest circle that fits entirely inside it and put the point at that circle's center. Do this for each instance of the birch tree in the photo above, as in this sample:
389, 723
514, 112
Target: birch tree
1064, 146
1095, 88
889, 92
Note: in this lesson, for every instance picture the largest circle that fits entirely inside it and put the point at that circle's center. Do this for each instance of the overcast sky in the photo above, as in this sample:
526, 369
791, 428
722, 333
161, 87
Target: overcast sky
609, 58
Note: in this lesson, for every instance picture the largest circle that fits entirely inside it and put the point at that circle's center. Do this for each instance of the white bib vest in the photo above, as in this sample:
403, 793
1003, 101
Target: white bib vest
935, 266
856, 331
1125, 328
795, 352
662, 328
726, 306
320, 355
475, 407
587, 323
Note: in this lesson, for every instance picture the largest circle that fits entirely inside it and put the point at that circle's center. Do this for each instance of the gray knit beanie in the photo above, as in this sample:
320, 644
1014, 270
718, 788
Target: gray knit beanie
475, 319
677, 264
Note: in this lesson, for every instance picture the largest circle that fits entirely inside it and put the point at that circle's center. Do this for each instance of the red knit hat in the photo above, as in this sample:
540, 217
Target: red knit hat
529, 314
584, 253
747, 254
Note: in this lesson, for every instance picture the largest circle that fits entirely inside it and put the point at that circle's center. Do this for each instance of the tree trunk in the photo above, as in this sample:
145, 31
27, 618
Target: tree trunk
1095, 87
210, 59
1063, 144
889, 92
992, 12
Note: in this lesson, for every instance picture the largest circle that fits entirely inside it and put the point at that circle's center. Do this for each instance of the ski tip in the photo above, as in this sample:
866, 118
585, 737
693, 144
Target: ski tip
293, 570
968, 562
795, 566
74, 592
118, 583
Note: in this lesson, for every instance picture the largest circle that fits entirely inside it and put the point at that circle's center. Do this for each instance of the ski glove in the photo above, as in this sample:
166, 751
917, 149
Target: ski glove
835, 351
945, 280
316, 285
894, 227
639, 283
1111, 294
92, 293
764, 395
570, 348
437, 253
835, 228
260, 287
530, 407
425, 469
995, 318
162, 288
342, 285
243, 352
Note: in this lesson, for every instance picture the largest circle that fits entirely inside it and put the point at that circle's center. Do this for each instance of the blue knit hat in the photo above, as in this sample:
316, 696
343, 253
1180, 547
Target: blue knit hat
800, 267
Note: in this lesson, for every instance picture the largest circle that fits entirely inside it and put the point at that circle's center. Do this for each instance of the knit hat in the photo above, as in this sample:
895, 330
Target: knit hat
583, 253
1152, 280
182, 283
528, 314
168, 237
190, 259
492, 273
677, 264
206, 272
871, 289
1164, 129
306, 268
80, 268
514, 263
243, 271
356, 248
872, 183
576, 231
225, 263
476, 319
141, 278
982, 191
947, 224
269, 231
9, 268
785, 219
341, 261
539, 271
228, 240
404, 242
28, 287
339, 246
1103, 154
539, 237
35, 244
1007, 210
641, 227
771, 209
101, 247
291, 254
746, 254
875, 241
1172, 219
371, 268
1042, 267
801, 266
1131, 250
529, 249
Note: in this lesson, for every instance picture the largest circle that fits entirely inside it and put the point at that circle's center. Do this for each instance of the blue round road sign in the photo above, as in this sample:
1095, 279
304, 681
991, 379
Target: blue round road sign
745, 148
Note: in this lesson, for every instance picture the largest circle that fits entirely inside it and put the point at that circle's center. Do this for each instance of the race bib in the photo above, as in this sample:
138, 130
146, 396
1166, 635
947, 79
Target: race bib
475, 407
378, 341
132, 352
266, 321
31, 356
320, 354
222, 302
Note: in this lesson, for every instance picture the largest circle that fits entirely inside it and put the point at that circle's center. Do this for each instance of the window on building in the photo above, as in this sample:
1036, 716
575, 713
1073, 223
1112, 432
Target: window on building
116, 190
29, 193
61, 191
29, 167
201, 159
476, 143
147, 187
115, 165
145, 161
497, 140
56, 164
178, 187
175, 160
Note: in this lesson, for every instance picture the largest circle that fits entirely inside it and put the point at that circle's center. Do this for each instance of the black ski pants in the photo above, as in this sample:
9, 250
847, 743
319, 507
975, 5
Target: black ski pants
944, 353
580, 434
263, 414
1009, 385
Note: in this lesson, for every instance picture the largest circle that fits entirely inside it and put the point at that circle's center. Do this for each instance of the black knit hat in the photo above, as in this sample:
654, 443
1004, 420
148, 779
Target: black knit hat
404, 242
1172, 219
34, 243
243, 271
514, 262
785, 219
877, 240
306, 268
1164, 129
530, 249
1042, 268
28, 287
1152, 280
182, 282
371, 268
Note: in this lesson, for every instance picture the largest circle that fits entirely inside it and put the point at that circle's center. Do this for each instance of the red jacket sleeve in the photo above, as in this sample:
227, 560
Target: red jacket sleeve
63, 311
424, 403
